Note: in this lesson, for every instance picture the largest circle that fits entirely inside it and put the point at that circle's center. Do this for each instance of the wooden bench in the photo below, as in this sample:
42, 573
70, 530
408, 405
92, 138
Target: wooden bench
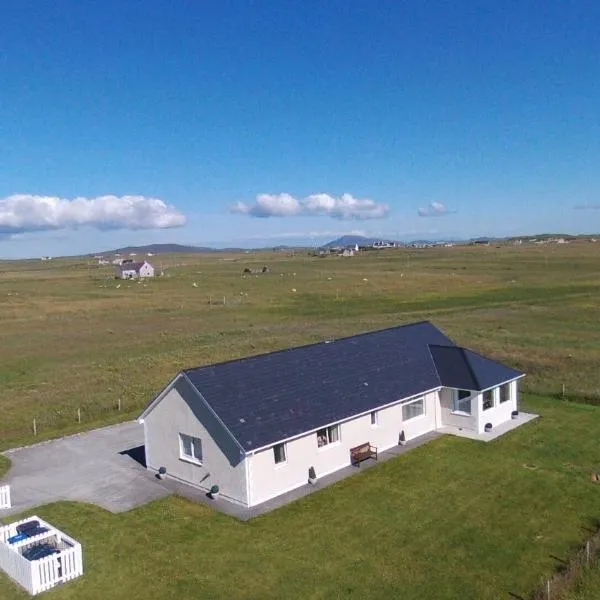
362, 452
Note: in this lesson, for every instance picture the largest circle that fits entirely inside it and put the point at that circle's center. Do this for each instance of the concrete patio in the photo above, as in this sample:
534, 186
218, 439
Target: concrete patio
496, 432
100, 466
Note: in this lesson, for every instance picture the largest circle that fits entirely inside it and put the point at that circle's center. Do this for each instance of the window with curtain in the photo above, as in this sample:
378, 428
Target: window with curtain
328, 435
412, 409
461, 401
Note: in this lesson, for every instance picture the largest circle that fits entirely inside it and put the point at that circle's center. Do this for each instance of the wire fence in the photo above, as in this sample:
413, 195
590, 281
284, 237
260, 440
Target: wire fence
570, 572
45, 423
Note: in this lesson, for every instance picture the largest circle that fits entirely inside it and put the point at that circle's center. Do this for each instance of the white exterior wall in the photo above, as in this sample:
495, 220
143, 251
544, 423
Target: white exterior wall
453, 419
499, 413
268, 480
183, 411
146, 270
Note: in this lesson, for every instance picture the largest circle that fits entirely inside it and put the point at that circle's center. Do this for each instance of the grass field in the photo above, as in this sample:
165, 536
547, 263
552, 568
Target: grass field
452, 519
72, 339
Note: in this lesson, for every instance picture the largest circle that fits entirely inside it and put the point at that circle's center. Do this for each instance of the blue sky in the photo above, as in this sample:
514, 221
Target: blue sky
237, 123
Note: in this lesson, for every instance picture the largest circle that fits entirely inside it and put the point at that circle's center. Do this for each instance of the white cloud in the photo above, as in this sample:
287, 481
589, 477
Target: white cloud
24, 212
434, 209
587, 206
344, 207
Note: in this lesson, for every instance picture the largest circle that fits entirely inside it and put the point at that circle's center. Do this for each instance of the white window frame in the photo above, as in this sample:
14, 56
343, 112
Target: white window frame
187, 457
324, 440
493, 395
456, 403
284, 450
508, 387
374, 418
415, 401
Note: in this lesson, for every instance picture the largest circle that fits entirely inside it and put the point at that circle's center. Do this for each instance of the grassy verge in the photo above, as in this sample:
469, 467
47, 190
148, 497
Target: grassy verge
588, 586
4, 465
452, 519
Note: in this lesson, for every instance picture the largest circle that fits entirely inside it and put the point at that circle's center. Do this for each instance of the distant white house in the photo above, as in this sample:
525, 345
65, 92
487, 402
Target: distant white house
134, 270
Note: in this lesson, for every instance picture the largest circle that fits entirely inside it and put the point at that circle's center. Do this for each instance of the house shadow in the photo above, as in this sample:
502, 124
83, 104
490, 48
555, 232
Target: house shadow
138, 453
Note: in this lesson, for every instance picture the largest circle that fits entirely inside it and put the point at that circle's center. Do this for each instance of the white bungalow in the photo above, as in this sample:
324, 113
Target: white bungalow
134, 270
256, 426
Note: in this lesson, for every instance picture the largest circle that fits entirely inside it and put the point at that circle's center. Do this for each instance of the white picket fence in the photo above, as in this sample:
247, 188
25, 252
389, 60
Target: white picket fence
40, 575
5, 496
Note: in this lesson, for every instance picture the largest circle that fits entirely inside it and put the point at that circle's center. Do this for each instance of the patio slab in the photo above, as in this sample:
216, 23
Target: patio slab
496, 432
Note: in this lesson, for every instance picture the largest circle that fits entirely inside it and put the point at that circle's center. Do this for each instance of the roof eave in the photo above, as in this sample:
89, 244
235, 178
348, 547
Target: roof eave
356, 416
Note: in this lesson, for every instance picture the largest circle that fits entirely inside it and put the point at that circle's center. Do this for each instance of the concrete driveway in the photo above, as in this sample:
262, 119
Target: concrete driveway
101, 467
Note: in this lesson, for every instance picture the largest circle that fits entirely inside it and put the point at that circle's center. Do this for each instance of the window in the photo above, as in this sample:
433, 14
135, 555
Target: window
374, 418
504, 392
190, 448
488, 399
413, 409
329, 435
279, 454
461, 401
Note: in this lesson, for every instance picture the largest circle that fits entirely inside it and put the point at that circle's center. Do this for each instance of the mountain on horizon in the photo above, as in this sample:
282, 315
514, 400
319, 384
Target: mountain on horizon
160, 249
351, 240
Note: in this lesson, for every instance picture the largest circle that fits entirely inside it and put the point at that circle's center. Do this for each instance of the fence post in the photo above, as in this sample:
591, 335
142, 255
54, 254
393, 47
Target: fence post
548, 589
223, 300
34, 427
79, 415
210, 300
563, 390
587, 552
119, 404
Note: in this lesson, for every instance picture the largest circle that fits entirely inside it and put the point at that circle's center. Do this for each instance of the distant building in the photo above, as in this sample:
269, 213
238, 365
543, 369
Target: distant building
134, 270
384, 244
347, 252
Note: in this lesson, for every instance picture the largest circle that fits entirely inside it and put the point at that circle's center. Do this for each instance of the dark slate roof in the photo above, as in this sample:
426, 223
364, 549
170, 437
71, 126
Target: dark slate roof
131, 266
465, 369
267, 398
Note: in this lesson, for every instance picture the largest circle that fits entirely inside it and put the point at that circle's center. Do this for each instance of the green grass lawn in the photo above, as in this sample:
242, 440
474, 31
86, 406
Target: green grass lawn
452, 519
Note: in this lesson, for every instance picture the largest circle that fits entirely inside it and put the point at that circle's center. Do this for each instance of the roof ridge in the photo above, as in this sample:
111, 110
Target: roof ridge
464, 351
283, 350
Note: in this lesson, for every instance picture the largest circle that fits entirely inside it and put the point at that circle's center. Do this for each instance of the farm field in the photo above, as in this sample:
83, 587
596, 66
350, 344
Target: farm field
452, 519
77, 345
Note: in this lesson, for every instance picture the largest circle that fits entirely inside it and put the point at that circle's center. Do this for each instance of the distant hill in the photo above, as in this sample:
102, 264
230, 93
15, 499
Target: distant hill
165, 249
